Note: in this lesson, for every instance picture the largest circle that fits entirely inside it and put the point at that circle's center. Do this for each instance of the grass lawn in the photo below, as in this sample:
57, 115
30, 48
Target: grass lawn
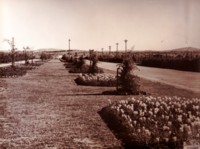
45, 108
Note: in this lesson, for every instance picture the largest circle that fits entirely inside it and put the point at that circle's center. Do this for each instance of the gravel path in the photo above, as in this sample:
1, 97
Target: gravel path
46, 109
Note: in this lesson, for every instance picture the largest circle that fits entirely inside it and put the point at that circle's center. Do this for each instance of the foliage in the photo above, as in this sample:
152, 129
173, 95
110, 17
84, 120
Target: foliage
80, 66
80, 62
7, 57
93, 67
64, 57
178, 63
13, 71
178, 60
96, 79
45, 56
157, 122
128, 81
67, 58
17, 70
83, 69
111, 58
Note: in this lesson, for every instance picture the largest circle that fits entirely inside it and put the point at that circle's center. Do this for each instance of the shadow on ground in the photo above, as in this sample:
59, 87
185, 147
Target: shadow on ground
80, 94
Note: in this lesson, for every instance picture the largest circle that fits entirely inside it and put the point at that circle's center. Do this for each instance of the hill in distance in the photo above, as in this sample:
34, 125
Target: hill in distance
189, 49
50, 49
58, 50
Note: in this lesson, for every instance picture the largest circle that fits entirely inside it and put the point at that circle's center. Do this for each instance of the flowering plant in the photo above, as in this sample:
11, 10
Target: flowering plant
158, 120
96, 79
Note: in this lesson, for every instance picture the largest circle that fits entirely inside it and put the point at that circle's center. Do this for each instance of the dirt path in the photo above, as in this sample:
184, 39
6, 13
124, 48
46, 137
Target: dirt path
45, 109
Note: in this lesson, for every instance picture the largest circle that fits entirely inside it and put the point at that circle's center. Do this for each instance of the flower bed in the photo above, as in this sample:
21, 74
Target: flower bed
96, 79
17, 70
12, 71
149, 122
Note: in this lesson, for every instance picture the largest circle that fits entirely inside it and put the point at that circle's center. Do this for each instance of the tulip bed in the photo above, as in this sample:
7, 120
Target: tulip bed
96, 79
155, 122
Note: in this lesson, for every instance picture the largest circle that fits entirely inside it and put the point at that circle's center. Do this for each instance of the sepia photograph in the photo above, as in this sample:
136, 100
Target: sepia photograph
99, 74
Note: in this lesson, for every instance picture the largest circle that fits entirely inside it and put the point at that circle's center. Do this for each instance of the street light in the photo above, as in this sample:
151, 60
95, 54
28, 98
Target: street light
69, 44
117, 47
125, 44
109, 49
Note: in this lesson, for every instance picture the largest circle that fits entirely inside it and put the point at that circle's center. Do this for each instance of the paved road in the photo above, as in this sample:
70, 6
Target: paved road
17, 63
180, 79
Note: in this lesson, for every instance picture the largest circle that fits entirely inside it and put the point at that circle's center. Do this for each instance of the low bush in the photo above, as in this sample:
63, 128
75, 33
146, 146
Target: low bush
18, 70
183, 63
36, 64
84, 69
12, 71
80, 62
155, 122
96, 79
93, 66
67, 58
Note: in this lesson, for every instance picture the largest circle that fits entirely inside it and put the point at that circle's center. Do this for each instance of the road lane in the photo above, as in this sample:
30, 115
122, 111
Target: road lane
17, 63
181, 79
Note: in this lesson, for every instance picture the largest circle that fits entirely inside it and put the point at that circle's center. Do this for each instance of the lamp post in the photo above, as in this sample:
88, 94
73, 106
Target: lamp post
109, 49
102, 50
117, 48
69, 44
125, 44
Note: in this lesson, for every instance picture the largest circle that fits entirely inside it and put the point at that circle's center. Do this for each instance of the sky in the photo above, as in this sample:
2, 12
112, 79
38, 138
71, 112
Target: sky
97, 24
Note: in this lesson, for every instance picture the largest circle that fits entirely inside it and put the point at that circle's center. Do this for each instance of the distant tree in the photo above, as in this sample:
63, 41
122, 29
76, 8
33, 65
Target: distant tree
13, 49
93, 67
45, 56
80, 62
26, 54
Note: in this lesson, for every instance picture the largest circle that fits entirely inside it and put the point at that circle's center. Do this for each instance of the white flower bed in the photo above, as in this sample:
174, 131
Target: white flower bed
97, 79
159, 119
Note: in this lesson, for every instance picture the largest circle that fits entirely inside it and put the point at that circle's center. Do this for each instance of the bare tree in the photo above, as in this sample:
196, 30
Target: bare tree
13, 49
